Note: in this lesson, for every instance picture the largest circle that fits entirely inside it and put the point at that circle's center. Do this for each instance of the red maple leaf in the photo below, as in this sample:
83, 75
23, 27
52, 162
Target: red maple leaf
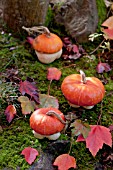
10, 112
101, 67
98, 136
29, 88
53, 74
107, 28
65, 160
30, 154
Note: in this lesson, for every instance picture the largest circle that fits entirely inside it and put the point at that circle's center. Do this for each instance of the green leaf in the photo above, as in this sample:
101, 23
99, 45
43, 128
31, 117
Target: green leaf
80, 128
48, 101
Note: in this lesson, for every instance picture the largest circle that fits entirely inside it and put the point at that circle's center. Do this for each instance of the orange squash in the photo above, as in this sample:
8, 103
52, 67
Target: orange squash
82, 91
45, 123
48, 46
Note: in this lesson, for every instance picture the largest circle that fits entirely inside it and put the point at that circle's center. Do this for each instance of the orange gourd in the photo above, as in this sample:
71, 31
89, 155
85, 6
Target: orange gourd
82, 91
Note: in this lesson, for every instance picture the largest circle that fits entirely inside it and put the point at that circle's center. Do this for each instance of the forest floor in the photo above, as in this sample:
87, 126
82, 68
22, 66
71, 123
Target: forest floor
19, 62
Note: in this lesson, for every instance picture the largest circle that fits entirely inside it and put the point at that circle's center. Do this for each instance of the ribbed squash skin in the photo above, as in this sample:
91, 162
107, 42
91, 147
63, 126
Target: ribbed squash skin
78, 93
45, 124
47, 44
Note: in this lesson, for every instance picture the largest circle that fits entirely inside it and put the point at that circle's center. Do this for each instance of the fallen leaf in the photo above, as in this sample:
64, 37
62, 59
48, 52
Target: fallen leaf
65, 160
30, 154
107, 28
80, 128
48, 101
101, 67
108, 22
53, 74
98, 136
10, 113
29, 88
27, 105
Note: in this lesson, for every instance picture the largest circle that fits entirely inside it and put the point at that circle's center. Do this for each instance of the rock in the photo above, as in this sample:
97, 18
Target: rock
47, 158
79, 17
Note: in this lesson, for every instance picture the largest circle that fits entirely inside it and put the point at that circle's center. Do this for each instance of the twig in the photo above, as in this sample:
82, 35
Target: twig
97, 47
100, 114
49, 88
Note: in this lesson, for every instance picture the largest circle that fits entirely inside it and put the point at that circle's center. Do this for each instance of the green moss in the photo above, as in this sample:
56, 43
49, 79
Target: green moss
18, 135
102, 12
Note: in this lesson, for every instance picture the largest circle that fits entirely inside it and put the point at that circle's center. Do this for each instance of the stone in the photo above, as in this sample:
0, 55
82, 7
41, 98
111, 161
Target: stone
79, 17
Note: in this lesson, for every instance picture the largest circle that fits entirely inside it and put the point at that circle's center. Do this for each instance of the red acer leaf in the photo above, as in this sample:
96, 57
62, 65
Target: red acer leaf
108, 23
108, 33
107, 28
27, 105
98, 136
30, 154
10, 112
101, 67
65, 160
53, 74
29, 88
30, 40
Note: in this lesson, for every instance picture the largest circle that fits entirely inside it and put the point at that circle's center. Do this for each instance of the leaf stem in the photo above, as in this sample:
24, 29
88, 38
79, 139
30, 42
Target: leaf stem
49, 87
98, 122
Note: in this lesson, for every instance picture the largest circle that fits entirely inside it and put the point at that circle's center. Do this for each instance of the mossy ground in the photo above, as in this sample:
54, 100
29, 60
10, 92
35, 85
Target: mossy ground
18, 135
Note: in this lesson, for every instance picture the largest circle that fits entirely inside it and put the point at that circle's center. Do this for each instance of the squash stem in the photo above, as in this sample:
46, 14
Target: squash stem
83, 77
39, 29
53, 113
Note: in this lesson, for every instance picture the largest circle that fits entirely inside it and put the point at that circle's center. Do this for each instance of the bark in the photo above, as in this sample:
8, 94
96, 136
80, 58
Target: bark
18, 13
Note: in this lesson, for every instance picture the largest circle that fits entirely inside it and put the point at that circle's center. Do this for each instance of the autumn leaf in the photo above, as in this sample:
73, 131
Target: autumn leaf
101, 67
98, 136
10, 113
65, 160
107, 28
48, 101
30, 154
53, 74
27, 105
29, 88
80, 128
108, 22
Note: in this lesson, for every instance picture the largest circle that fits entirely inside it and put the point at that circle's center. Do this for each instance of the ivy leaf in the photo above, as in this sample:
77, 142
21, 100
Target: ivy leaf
80, 128
101, 67
98, 136
53, 74
10, 113
48, 101
27, 105
30, 154
29, 88
65, 160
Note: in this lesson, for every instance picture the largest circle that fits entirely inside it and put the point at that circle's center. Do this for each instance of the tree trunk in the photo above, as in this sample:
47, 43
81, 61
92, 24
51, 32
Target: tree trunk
18, 13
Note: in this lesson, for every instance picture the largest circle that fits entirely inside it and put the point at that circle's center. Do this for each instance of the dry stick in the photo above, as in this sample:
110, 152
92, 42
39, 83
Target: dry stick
71, 143
97, 47
49, 88
100, 114
68, 66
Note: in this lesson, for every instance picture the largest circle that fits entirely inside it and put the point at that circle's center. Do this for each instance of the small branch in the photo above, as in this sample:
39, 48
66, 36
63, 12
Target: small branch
40, 29
49, 88
97, 47
71, 143
100, 114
